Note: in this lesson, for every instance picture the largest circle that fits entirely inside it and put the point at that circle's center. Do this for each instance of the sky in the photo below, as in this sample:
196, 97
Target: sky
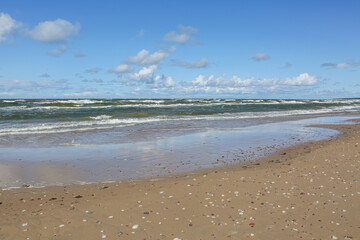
179, 49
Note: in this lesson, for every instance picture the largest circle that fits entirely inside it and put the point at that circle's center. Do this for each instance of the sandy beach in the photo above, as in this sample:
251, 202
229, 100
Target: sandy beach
310, 191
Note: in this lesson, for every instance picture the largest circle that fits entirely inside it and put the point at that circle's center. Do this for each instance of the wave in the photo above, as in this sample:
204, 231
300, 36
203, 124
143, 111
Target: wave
108, 122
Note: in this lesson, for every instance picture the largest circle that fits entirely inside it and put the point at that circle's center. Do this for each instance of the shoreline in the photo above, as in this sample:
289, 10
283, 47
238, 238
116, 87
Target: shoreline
179, 155
222, 202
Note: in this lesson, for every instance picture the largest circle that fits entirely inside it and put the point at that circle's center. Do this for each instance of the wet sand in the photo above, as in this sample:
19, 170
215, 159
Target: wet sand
310, 191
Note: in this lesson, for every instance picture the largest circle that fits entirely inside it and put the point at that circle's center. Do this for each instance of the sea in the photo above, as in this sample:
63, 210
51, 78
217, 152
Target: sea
91, 140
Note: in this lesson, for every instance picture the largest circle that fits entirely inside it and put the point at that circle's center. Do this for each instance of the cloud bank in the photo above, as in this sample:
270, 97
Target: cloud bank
56, 31
8, 26
181, 36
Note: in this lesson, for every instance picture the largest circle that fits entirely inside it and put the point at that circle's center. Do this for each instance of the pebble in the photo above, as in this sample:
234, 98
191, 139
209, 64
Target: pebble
135, 226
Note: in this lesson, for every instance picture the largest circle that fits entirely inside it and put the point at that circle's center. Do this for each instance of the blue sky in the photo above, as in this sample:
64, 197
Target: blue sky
166, 49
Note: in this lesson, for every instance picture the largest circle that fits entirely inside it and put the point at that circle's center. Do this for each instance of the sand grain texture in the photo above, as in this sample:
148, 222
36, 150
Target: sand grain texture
306, 192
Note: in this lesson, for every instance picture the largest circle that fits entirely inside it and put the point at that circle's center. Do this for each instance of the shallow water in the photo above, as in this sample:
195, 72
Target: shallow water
162, 155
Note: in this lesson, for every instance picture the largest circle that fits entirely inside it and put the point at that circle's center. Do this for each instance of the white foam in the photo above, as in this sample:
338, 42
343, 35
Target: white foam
101, 117
106, 121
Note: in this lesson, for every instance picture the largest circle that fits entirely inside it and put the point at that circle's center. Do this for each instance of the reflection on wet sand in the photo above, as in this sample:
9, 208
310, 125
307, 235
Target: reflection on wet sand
161, 156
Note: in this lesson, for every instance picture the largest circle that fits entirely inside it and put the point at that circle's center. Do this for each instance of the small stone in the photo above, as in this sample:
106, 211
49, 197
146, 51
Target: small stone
136, 226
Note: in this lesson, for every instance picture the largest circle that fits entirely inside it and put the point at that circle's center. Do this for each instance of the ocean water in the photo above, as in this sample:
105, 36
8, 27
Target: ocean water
57, 122
56, 142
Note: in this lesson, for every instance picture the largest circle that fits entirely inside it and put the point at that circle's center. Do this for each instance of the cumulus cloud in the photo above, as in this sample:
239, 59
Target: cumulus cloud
303, 79
260, 57
182, 35
122, 68
162, 82
93, 70
340, 65
212, 84
145, 74
54, 31
8, 26
204, 62
143, 58
58, 51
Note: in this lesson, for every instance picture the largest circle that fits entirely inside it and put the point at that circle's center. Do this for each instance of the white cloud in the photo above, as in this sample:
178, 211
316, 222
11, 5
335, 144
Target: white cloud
80, 94
303, 79
58, 51
260, 57
162, 82
25, 84
7, 93
340, 65
204, 62
145, 74
122, 68
54, 31
93, 70
187, 29
235, 84
181, 36
8, 26
144, 59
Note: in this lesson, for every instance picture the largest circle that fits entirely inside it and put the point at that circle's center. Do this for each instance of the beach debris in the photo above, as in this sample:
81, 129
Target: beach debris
136, 226
177, 238
88, 212
146, 213
111, 217
78, 196
61, 225
24, 224
103, 236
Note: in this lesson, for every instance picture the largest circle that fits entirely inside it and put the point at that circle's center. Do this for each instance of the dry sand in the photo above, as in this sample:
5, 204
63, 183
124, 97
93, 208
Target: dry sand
310, 191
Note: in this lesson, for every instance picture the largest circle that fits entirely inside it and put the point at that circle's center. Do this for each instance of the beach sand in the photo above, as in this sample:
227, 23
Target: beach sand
310, 191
